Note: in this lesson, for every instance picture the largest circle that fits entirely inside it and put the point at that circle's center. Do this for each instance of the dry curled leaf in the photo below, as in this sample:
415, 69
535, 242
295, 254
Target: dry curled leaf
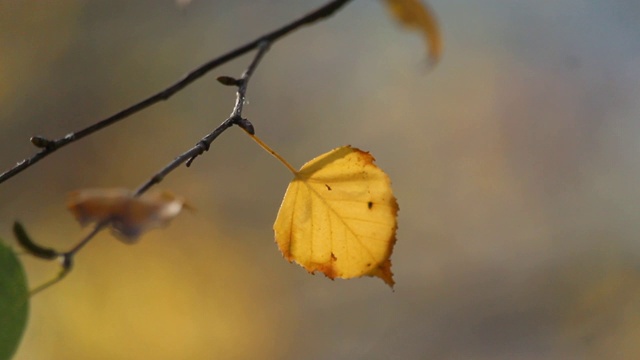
339, 217
415, 14
128, 216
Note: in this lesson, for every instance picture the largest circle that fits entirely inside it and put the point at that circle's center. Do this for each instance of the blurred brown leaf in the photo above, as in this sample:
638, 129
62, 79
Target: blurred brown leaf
417, 15
127, 215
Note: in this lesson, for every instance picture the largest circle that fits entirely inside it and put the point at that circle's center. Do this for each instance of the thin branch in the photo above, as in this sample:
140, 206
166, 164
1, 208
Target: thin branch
66, 258
49, 146
234, 119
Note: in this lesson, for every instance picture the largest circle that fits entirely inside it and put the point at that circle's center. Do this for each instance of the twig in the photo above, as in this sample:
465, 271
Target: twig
66, 258
234, 119
49, 146
189, 155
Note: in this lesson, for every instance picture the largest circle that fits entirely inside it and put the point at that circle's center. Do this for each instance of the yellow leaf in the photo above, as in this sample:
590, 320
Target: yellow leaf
415, 14
339, 217
127, 215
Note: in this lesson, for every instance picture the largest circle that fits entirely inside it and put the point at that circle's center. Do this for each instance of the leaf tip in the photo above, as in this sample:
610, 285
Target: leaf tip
383, 271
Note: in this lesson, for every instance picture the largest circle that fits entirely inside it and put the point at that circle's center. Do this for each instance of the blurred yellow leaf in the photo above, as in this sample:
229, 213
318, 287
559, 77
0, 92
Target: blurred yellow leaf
415, 14
339, 216
127, 215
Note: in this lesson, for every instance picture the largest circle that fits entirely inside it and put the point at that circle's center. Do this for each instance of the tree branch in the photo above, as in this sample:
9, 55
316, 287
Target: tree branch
234, 119
49, 146
66, 258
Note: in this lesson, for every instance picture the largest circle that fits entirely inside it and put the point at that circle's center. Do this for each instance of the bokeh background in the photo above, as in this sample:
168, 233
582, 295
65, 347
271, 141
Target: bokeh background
515, 163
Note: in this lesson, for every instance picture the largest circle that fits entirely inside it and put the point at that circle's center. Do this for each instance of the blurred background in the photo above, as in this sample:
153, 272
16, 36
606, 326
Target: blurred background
514, 163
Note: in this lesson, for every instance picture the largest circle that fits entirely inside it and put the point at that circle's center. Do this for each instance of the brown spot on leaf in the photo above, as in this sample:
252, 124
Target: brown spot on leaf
327, 269
369, 204
328, 187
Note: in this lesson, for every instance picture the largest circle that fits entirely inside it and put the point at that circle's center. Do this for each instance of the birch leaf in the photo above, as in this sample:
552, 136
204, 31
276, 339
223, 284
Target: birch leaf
339, 217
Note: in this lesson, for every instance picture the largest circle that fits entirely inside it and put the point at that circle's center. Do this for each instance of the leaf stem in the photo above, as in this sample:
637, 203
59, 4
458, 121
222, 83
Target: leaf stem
273, 152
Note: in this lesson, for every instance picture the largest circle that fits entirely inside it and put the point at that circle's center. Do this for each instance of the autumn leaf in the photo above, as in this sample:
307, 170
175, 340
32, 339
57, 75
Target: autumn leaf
415, 14
338, 216
127, 215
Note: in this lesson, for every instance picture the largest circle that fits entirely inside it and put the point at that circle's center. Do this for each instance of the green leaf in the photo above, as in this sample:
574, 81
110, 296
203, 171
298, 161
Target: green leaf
14, 301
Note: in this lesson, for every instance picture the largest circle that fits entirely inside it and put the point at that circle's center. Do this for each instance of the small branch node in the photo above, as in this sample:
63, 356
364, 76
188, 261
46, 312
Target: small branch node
201, 146
42, 142
67, 262
246, 125
228, 81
